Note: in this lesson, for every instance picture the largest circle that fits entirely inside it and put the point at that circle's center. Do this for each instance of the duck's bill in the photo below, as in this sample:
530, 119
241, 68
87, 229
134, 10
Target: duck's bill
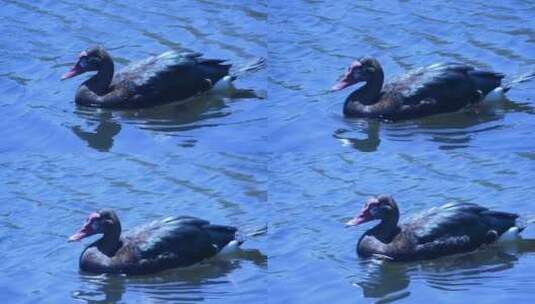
340, 86
76, 70
357, 220
343, 83
82, 233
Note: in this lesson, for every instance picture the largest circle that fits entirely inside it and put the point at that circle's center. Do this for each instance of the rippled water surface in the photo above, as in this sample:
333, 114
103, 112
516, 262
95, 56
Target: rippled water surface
336, 163
41, 41
289, 158
59, 161
48, 198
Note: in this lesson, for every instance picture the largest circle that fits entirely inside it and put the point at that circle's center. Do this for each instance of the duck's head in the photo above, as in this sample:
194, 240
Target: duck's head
101, 222
376, 208
89, 60
363, 69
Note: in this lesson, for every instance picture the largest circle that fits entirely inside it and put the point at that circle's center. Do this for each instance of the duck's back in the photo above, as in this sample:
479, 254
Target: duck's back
455, 228
439, 88
170, 76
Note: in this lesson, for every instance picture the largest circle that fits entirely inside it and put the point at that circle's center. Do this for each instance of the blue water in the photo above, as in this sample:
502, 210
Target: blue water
59, 162
289, 159
325, 166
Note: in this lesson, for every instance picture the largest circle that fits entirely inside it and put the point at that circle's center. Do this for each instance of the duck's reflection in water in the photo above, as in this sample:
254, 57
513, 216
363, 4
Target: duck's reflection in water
100, 126
389, 281
191, 284
449, 131
371, 140
101, 136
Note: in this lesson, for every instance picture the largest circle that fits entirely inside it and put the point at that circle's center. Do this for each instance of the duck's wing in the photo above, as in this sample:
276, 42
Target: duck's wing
179, 241
446, 220
180, 74
444, 230
158, 226
457, 227
434, 82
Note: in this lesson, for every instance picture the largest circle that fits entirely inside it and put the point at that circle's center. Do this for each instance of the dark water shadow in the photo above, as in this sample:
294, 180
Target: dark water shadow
387, 281
177, 117
369, 128
99, 131
182, 285
448, 131
102, 125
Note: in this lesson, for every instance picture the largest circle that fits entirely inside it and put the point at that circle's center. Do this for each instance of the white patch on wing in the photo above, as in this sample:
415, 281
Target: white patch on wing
231, 248
510, 235
345, 142
495, 95
223, 86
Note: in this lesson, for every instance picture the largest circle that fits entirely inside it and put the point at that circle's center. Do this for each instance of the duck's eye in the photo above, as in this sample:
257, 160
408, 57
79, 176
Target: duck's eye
83, 62
95, 225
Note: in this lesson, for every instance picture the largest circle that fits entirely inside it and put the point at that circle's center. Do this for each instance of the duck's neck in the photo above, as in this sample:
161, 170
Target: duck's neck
369, 93
100, 82
388, 228
111, 241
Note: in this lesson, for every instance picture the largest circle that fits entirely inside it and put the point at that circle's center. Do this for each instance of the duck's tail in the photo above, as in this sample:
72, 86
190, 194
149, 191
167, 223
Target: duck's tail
530, 221
525, 77
524, 223
513, 233
251, 67
243, 235
498, 93
225, 86
239, 238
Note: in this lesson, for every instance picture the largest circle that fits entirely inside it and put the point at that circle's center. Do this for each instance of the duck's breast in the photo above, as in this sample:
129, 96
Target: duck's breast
92, 260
